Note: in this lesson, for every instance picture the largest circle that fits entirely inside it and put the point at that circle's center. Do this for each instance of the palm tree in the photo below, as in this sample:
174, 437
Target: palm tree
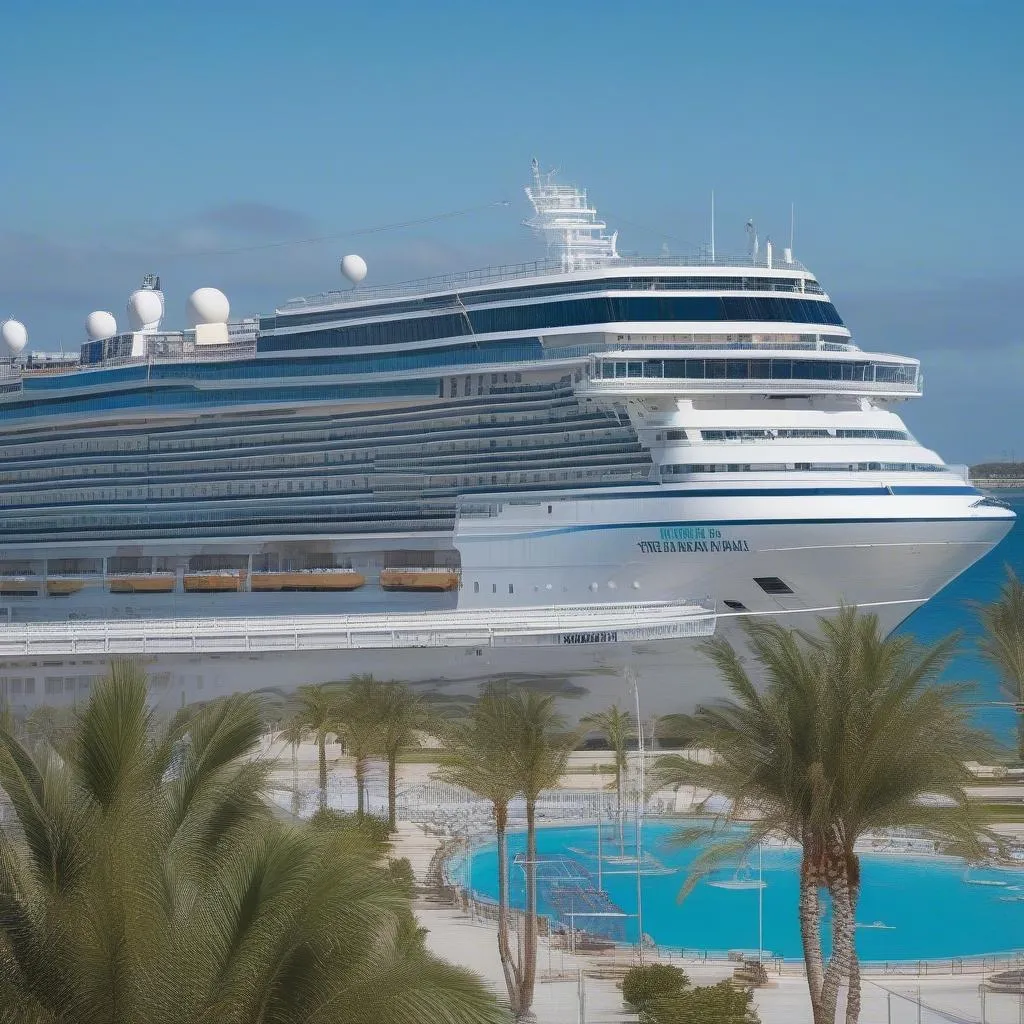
149, 881
359, 715
317, 713
401, 715
541, 748
1002, 644
618, 728
292, 733
513, 742
477, 757
845, 733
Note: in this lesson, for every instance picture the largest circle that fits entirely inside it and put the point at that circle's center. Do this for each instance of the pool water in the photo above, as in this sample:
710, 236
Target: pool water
911, 907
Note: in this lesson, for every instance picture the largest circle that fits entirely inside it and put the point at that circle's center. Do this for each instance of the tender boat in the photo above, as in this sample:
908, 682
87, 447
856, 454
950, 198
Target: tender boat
419, 579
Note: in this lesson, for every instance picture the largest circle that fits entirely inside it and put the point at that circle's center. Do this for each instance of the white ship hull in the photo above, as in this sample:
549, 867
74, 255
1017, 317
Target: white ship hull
565, 605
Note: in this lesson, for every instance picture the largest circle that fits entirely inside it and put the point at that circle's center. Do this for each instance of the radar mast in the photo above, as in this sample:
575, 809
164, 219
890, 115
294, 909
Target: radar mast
569, 224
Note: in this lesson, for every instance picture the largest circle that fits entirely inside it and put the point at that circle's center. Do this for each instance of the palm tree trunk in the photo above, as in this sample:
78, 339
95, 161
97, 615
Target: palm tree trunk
295, 780
810, 935
504, 950
392, 788
528, 968
853, 992
842, 934
618, 805
321, 743
360, 784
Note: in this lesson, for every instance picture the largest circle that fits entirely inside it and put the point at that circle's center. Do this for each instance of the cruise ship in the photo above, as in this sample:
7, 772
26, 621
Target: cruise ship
563, 474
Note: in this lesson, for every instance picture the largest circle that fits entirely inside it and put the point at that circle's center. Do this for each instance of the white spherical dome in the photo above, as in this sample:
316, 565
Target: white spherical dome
145, 307
14, 335
208, 306
353, 267
100, 324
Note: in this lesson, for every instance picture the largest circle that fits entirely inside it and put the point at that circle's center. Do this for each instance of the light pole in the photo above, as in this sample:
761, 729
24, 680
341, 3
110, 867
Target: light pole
639, 822
760, 904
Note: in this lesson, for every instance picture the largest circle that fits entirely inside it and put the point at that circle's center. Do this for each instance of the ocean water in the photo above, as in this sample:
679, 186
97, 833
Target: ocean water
949, 611
910, 907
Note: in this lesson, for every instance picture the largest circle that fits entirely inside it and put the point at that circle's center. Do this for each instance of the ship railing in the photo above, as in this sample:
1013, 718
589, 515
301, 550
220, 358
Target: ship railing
679, 343
484, 627
516, 617
533, 268
674, 385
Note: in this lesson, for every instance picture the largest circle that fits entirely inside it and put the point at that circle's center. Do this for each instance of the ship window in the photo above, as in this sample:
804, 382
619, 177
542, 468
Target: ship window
494, 588
511, 589
773, 585
476, 588
736, 606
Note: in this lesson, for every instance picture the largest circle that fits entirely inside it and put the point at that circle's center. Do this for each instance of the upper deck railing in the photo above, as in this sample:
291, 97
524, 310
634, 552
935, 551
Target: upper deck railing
534, 268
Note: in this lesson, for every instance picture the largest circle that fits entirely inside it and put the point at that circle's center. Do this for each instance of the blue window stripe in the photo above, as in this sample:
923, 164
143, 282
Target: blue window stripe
675, 523
655, 490
489, 296
509, 350
160, 398
567, 313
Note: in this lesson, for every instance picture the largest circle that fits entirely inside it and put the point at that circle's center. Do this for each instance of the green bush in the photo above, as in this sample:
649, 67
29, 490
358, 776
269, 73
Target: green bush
400, 871
371, 830
642, 985
707, 1004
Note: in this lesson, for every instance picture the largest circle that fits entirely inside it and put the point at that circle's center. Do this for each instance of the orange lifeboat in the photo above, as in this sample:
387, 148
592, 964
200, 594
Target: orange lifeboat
18, 586
419, 579
143, 583
213, 582
308, 579
63, 587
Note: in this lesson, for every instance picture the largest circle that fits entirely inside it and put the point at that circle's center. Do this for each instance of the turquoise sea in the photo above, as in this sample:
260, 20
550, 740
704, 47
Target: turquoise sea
949, 611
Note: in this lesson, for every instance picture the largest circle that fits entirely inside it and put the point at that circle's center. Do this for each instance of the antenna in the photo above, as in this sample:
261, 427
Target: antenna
712, 225
792, 222
752, 233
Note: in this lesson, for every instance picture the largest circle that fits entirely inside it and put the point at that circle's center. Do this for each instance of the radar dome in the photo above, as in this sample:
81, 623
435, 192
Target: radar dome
145, 307
14, 336
207, 306
100, 324
353, 267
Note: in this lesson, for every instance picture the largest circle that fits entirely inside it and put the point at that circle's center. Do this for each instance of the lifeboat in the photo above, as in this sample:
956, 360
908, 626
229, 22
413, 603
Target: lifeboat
63, 587
143, 583
307, 579
18, 586
215, 582
419, 579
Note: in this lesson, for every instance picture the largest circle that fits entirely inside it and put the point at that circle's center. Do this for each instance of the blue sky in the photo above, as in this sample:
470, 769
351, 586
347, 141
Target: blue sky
144, 138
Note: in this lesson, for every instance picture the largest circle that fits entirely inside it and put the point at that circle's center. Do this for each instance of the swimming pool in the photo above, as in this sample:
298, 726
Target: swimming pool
911, 907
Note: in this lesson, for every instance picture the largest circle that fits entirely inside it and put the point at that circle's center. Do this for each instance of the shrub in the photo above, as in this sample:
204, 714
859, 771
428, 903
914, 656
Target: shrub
642, 985
707, 1004
400, 871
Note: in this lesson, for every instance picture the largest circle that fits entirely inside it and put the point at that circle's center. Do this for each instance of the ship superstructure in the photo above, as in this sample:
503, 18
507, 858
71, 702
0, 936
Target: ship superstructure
548, 472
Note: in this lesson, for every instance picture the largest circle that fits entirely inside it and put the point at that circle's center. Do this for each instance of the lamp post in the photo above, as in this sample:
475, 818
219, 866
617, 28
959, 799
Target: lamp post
760, 904
639, 821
